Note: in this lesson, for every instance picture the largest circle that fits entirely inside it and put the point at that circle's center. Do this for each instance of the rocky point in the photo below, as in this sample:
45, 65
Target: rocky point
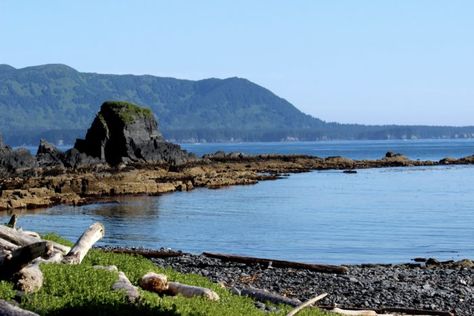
123, 132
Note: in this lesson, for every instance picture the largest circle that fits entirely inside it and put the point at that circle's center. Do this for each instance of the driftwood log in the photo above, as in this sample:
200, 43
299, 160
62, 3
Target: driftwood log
176, 288
124, 284
323, 268
21, 257
5, 245
159, 283
8, 309
12, 222
348, 312
147, 253
306, 304
265, 296
154, 282
95, 232
23, 251
29, 279
391, 311
20, 238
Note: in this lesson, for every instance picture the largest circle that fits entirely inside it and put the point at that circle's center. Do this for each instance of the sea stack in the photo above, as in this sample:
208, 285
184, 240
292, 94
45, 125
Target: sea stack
123, 132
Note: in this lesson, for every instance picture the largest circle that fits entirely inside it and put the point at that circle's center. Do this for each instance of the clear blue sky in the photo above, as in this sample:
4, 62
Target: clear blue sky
403, 61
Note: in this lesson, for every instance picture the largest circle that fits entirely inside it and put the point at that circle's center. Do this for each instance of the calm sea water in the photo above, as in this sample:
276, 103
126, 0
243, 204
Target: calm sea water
364, 149
378, 215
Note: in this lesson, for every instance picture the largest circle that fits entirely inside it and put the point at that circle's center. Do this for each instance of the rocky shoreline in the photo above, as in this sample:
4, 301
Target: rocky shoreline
431, 285
45, 187
123, 153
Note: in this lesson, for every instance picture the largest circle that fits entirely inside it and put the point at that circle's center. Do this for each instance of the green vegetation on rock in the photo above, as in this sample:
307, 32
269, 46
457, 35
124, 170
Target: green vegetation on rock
127, 111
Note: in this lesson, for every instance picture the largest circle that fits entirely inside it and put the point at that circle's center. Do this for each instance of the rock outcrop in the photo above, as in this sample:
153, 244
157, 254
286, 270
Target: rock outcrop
123, 132
13, 159
48, 155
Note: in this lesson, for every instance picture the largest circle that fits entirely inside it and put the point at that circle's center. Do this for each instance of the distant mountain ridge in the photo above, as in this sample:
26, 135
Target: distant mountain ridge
58, 102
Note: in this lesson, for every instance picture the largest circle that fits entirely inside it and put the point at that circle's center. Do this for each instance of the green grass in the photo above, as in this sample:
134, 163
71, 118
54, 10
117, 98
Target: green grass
83, 290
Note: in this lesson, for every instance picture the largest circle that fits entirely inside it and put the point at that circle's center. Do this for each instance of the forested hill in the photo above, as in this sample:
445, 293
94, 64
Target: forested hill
57, 102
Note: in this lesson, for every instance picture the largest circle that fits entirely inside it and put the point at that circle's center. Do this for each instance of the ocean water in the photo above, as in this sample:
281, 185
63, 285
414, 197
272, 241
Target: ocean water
361, 149
384, 215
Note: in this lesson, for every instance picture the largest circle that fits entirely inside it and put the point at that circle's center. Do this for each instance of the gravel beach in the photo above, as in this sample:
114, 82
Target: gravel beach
430, 285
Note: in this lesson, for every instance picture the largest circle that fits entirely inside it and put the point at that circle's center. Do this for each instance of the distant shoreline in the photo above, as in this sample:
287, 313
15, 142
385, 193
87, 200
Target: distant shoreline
322, 141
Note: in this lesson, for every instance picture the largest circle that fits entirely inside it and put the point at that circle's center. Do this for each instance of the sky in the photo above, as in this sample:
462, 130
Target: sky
370, 62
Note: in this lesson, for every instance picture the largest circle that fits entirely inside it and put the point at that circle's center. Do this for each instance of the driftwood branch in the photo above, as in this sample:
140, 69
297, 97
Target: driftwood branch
176, 288
12, 221
6, 245
154, 282
95, 232
324, 268
265, 296
8, 309
124, 284
349, 312
158, 283
393, 310
307, 303
30, 233
16, 237
21, 257
24, 251
147, 253
20, 238
29, 279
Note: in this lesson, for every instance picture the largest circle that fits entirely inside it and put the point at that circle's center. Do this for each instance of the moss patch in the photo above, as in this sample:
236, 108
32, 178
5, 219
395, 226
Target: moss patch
126, 111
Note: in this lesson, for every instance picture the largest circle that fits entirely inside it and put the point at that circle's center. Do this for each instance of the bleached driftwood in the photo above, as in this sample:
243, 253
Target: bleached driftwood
154, 282
21, 257
30, 233
307, 303
111, 268
176, 288
323, 268
20, 238
29, 277
6, 245
158, 283
16, 237
349, 312
95, 232
124, 284
12, 310
265, 296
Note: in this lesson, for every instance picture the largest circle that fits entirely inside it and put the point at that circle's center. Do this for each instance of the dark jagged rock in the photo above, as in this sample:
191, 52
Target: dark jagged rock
73, 158
223, 155
14, 159
124, 132
49, 155
391, 154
